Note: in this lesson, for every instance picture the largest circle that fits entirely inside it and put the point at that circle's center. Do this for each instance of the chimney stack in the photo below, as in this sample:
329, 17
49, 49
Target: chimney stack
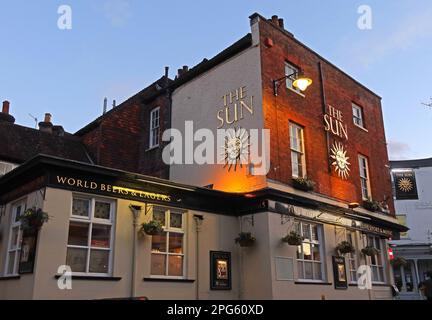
46, 125
275, 20
281, 23
166, 72
4, 115
114, 104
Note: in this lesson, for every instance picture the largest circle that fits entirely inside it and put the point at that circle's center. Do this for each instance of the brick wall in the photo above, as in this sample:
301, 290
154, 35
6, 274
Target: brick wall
340, 91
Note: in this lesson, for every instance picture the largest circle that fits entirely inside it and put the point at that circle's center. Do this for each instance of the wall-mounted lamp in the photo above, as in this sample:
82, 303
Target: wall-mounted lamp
353, 205
301, 82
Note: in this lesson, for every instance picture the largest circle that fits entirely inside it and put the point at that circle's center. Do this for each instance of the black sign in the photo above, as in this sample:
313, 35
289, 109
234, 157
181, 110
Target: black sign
405, 185
220, 270
339, 273
28, 251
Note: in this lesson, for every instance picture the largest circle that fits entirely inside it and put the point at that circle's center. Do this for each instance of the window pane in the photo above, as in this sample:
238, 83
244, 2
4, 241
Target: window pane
11, 263
175, 266
80, 207
18, 212
102, 210
314, 233
78, 234
300, 270
175, 242
159, 215
101, 235
176, 220
158, 264
15, 238
308, 270
99, 261
159, 243
307, 251
375, 274
77, 259
316, 253
306, 231
317, 271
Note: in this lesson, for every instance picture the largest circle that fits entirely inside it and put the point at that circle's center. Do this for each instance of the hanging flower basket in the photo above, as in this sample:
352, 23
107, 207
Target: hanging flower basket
398, 262
345, 247
245, 239
151, 228
370, 251
304, 184
372, 205
293, 239
33, 219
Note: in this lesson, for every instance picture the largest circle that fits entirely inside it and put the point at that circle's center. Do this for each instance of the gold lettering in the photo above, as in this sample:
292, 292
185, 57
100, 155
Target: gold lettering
248, 108
61, 180
220, 119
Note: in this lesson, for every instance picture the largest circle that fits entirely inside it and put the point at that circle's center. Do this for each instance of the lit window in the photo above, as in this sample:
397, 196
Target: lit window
364, 177
167, 257
290, 72
298, 161
309, 254
154, 127
89, 249
15, 237
358, 115
376, 262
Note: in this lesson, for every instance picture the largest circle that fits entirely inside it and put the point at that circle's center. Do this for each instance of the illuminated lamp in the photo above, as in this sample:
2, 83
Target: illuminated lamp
301, 82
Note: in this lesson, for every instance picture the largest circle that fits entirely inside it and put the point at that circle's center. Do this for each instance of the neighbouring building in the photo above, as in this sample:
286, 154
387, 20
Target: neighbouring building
412, 180
328, 183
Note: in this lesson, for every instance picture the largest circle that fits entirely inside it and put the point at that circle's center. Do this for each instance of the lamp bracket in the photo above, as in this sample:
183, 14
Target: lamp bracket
276, 83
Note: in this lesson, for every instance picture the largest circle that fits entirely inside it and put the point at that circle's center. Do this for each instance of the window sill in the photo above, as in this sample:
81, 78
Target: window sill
6, 278
360, 127
91, 278
295, 91
320, 283
168, 280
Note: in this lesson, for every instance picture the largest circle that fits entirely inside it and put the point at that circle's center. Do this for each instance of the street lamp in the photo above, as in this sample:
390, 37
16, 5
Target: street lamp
300, 82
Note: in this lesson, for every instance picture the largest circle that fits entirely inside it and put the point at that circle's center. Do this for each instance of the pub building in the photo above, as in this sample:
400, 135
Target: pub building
323, 209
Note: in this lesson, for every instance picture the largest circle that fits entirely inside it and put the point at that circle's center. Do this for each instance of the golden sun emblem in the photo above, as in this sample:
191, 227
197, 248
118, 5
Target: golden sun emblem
236, 148
340, 163
405, 185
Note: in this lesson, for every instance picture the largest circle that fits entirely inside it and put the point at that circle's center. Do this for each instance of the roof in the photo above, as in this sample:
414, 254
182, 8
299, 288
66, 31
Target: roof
19, 144
417, 163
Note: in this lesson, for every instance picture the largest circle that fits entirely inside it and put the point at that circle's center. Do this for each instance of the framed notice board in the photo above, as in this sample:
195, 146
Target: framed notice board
220, 270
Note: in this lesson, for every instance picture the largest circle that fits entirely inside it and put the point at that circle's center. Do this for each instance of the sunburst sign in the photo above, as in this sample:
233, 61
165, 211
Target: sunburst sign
236, 148
405, 185
340, 163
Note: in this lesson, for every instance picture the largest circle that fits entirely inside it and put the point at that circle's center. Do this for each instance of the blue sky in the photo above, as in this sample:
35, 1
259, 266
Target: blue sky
117, 47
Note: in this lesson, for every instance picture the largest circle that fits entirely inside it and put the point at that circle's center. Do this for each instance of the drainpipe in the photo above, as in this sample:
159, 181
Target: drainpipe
198, 223
324, 110
136, 210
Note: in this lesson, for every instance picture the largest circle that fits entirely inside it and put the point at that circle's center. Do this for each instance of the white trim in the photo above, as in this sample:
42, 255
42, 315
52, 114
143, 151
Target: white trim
13, 225
154, 128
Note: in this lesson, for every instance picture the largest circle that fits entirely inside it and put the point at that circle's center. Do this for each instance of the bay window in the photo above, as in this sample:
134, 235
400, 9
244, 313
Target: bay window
15, 237
90, 241
167, 251
309, 254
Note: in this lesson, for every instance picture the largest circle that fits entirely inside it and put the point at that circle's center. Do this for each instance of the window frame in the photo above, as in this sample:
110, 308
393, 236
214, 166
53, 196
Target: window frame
91, 220
365, 180
154, 129
298, 153
367, 241
16, 250
352, 257
320, 242
359, 116
166, 253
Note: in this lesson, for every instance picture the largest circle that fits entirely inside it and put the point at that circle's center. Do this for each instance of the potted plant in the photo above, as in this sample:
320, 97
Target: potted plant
245, 239
398, 262
370, 251
304, 184
33, 219
293, 239
151, 228
371, 205
345, 247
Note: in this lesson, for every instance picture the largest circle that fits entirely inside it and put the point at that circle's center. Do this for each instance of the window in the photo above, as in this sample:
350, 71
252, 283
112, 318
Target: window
167, 257
309, 253
364, 177
358, 115
291, 71
15, 237
5, 167
154, 127
90, 242
376, 261
298, 161
352, 257
402, 219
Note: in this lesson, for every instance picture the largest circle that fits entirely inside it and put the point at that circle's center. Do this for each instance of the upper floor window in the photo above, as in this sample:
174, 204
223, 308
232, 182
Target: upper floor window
154, 127
90, 243
167, 257
298, 160
290, 71
364, 177
5, 167
15, 237
358, 115
309, 262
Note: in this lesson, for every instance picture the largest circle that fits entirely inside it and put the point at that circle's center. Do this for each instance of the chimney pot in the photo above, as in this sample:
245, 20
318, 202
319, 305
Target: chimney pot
274, 20
6, 105
281, 23
47, 118
179, 72
185, 69
166, 72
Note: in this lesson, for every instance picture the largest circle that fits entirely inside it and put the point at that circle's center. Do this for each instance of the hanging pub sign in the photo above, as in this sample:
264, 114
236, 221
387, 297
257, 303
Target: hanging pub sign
28, 251
220, 270
405, 185
339, 272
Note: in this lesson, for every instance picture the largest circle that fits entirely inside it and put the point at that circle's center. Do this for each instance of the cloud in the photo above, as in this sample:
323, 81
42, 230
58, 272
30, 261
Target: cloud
118, 12
398, 150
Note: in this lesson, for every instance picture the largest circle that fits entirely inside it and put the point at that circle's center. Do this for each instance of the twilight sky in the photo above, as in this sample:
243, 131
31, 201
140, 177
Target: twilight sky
117, 47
